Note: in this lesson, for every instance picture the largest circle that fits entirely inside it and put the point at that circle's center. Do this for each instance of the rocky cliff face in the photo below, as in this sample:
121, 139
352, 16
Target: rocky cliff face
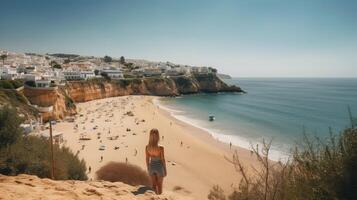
57, 98
81, 91
62, 99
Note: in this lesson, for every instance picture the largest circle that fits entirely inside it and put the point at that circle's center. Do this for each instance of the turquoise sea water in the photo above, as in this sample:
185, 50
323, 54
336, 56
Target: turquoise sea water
273, 108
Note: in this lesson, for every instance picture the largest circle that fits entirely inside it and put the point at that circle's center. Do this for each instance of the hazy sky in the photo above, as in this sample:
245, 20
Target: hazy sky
254, 38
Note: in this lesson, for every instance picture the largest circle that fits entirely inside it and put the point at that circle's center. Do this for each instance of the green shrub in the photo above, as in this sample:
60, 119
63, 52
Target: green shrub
10, 129
30, 154
11, 84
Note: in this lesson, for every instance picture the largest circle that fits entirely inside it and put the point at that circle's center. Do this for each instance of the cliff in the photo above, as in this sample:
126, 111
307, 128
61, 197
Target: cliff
16, 99
57, 98
62, 98
31, 187
81, 91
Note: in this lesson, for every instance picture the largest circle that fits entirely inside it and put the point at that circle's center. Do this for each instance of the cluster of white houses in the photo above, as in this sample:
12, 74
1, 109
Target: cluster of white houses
38, 70
58, 76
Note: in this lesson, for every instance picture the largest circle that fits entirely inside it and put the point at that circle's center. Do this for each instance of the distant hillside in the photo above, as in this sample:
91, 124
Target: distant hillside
63, 55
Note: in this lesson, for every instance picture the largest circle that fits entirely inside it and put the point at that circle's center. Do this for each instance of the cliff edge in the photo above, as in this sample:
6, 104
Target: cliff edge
31, 187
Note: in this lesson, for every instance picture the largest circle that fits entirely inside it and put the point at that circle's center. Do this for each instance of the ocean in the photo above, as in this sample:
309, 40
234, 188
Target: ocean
277, 109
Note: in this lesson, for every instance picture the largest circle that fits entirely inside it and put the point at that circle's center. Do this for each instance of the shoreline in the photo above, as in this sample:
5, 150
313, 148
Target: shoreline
221, 139
196, 165
203, 133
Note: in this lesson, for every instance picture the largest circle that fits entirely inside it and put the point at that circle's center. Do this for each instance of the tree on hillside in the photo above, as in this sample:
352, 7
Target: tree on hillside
3, 58
52, 63
107, 59
122, 60
10, 129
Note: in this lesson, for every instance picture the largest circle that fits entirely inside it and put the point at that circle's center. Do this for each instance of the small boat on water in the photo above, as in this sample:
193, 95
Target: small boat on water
211, 118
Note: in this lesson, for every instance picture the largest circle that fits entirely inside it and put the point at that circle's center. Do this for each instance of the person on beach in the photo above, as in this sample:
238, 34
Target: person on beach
155, 161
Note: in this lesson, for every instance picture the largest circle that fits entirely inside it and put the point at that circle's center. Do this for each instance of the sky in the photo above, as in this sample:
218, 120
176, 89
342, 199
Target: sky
243, 38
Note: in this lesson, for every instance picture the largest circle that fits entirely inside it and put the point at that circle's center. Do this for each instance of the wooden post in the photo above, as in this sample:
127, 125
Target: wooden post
52, 158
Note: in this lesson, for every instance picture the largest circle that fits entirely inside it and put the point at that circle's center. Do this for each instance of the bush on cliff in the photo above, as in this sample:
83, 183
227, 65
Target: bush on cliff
123, 172
11, 84
319, 170
17, 100
30, 154
10, 129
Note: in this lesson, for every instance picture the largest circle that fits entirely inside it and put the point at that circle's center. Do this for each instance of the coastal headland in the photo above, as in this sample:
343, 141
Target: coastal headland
61, 99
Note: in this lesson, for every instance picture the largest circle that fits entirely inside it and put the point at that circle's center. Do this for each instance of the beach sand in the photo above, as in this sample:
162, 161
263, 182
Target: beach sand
193, 167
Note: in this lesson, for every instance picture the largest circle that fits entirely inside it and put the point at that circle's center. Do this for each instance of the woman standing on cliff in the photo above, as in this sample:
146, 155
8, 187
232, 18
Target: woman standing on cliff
155, 161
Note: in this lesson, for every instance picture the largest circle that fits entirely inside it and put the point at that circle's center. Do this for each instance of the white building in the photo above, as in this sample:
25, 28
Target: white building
31, 77
163, 67
113, 73
184, 70
199, 70
173, 72
176, 71
138, 72
72, 75
152, 72
43, 83
9, 73
87, 75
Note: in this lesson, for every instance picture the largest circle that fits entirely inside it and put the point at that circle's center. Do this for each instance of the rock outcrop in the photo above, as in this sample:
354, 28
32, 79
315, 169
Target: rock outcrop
57, 98
81, 91
31, 187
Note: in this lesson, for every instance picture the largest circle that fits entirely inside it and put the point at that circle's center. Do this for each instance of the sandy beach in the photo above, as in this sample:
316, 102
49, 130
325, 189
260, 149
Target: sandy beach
195, 160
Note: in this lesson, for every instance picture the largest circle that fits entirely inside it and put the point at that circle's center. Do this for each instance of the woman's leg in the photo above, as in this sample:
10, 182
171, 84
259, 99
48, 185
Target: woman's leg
155, 186
154, 182
159, 184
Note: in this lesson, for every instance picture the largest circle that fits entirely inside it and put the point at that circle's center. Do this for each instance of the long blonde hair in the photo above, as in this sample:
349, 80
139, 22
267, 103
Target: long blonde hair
154, 138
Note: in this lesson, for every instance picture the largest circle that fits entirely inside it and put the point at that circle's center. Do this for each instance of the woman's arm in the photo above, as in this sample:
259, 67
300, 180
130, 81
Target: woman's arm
147, 157
163, 159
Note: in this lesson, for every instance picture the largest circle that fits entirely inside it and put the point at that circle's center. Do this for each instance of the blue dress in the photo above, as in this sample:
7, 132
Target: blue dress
156, 167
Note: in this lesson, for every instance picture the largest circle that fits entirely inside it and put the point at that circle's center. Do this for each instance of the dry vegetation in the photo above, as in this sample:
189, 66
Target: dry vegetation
123, 172
317, 170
